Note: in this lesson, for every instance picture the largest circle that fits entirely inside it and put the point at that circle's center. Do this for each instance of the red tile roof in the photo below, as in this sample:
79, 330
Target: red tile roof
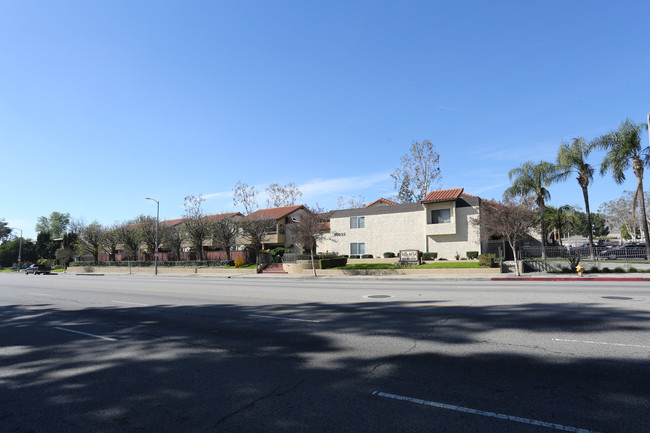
274, 213
381, 200
216, 217
443, 195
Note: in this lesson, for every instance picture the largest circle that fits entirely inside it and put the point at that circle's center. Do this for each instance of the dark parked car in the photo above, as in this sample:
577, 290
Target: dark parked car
628, 251
37, 269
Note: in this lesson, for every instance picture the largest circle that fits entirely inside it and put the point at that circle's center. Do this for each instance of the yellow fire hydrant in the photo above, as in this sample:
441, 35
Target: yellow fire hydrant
580, 269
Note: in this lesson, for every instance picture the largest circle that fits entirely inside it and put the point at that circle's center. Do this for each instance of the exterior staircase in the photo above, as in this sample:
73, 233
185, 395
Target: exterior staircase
274, 268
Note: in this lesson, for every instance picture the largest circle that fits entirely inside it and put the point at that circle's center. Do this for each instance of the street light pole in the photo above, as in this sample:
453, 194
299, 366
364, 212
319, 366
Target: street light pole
20, 248
157, 219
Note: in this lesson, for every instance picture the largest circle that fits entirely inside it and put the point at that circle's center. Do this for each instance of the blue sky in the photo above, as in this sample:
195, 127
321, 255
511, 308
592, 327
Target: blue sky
104, 103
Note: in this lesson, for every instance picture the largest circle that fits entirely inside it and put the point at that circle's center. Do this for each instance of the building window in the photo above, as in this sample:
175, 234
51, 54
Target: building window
357, 248
440, 216
357, 222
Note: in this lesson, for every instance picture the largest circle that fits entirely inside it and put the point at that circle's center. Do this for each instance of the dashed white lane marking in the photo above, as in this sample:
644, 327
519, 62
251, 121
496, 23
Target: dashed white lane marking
601, 343
84, 333
130, 303
284, 318
484, 413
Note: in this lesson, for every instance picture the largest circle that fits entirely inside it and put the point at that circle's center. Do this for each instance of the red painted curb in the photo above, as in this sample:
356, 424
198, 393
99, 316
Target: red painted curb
570, 279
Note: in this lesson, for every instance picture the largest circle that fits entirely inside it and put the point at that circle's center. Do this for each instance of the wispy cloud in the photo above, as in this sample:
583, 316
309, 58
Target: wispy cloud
319, 187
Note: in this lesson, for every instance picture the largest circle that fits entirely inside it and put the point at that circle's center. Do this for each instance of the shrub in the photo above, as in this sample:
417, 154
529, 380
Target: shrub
486, 260
429, 256
457, 256
366, 256
594, 269
333, 262
389, 255
443, 259
633, 269
355, 256
472, 255
605, 270
619, 270
239, 262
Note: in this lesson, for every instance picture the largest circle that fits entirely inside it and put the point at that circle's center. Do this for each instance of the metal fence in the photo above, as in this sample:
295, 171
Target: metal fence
629, 252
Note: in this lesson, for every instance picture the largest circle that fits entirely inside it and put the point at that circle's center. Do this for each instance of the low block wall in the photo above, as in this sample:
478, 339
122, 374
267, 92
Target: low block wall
150, 270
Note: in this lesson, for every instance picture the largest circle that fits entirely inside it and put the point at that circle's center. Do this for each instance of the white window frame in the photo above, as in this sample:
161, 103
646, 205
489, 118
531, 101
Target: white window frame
358, 222
360, 248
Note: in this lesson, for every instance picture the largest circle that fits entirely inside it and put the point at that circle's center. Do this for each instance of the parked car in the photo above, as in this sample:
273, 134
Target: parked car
37, 269
627, 251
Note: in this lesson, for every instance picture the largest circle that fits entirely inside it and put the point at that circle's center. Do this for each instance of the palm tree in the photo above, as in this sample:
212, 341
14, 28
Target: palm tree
623, 147
571, 159
560, 220
532, 179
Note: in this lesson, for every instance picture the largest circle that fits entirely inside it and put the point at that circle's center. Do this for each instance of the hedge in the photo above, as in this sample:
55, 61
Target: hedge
486, 260
472, 255
333, 262
429, 256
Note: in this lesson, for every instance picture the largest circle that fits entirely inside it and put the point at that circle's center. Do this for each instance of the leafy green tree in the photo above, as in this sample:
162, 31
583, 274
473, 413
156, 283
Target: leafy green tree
5, 231
532, 180
624, 149
56, 224
45, 247
572, 159
9, 252
598, 225
420, 169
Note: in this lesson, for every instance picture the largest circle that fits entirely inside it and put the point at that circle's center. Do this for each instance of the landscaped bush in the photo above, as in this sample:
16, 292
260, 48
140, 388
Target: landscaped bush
486, 260
443, 259
633, 269
389, 255
619, 270
429, 256
239, 262
333, 262
367, 256
594, 269
472, 255
355, 256
605, 270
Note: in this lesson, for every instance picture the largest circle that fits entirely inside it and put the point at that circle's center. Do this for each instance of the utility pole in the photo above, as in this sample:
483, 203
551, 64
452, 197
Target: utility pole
157, 219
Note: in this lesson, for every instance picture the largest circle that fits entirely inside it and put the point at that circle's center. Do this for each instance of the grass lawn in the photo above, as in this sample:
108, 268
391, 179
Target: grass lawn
448, 265
241, 267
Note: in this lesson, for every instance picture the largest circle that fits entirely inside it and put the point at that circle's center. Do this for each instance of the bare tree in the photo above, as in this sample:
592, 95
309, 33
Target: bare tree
420, 168
91, 239
620, 213
129, 236
111, 240
351, 203
146, 226
253, 230
511, 220
172, 238
282, 195
245, 195
225, 231
311, 229
197, 227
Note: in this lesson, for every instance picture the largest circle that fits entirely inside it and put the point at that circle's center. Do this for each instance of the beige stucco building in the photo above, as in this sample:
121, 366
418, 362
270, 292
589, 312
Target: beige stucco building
441, 223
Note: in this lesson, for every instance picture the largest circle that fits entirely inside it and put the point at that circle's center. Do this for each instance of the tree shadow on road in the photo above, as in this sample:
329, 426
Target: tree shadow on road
226, 367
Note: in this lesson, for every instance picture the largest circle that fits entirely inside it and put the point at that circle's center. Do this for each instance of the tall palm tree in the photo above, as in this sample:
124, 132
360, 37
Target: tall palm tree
533, 179
623, 148
571, 158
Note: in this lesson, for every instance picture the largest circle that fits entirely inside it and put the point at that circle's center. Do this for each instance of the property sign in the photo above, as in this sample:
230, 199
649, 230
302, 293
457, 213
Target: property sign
410, 257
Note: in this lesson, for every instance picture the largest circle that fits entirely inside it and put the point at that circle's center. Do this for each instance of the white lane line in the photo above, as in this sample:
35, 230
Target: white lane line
484, 413
130, 303
86, 334
284, 318
601, 343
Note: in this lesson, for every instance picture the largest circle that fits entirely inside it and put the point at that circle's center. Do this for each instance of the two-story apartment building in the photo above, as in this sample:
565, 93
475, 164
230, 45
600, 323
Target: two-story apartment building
442, 222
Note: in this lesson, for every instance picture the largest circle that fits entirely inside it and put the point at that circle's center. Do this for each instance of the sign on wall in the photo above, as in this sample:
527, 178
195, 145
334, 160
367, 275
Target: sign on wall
409, 257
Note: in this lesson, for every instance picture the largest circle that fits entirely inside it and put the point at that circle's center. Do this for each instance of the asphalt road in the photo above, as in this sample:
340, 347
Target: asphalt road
177, 354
